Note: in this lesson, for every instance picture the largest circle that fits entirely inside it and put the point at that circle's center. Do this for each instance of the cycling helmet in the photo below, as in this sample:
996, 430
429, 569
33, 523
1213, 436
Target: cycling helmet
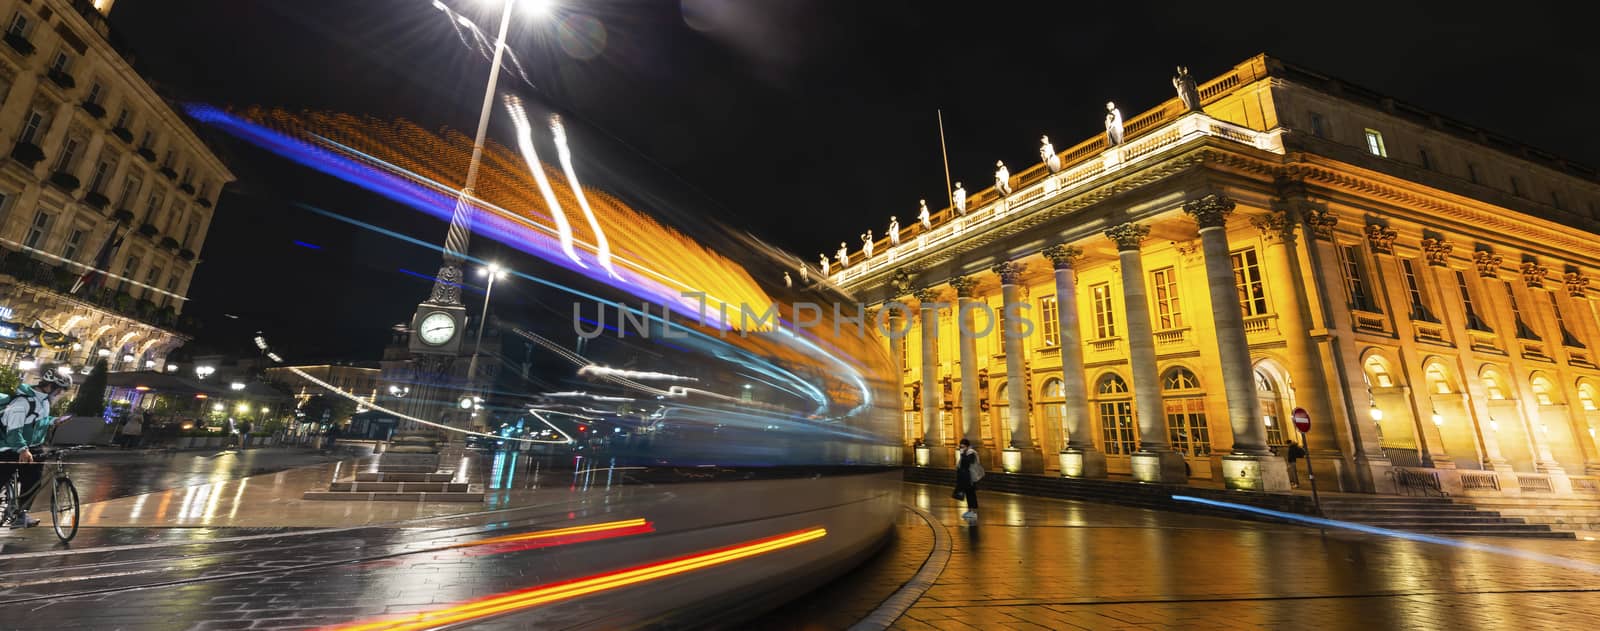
56, 376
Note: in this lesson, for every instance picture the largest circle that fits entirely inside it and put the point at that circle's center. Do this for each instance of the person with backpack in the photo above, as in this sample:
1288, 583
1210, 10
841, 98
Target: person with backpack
1294, 453
26, 421
968, 473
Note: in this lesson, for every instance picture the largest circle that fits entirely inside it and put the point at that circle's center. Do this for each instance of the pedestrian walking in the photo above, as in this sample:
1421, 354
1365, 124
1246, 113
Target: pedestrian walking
968, 473
1293, 452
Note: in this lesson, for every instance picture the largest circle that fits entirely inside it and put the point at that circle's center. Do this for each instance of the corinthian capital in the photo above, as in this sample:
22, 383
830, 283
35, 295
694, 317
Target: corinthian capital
1577, 284
925, 295
1322, 222
1063, 256
964, 286
1437, 251
1488, 263
1533, 273
1210, 211
1127, 236
1274, 226
1382, 238
1010, 273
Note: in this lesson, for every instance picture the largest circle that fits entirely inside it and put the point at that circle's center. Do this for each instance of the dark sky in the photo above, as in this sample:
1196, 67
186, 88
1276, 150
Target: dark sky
802, 121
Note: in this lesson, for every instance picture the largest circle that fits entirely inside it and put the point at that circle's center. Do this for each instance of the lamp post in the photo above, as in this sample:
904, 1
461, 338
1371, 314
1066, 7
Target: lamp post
494, 272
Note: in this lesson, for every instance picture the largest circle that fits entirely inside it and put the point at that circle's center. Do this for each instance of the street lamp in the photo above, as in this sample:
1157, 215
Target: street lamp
204, 371
455, 244
399, 392
494, 272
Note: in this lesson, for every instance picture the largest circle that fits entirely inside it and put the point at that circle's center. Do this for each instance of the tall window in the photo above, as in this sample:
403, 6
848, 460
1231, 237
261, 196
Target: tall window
1586, 397
129, 190
1002, 413
1472, 172
1053, 403
1523, 331
1271, 408
61, 61
102, 172
1116, 415
1319, 126
153, 278
1419, 307
129, 268
1438, 380
74, 243
1542, 389
69, 154
1375, 144
122, 119
1185, 407
1422, 156
1378, 374
1105, 325
1052, 323
19, 25
1169, 309
193, 227
31, 126
1247, 279
1473, 321
1355, 279
1516, 186
1492, 386
95, 91
37, 230
1567, 338
1555, 200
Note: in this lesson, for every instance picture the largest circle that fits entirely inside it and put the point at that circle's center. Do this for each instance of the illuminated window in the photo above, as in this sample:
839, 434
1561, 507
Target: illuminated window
1419, 308
1586, 397
1542, 391
1051, 326
1378, 374
1002, 412
1473, 321
1053, 395
1186, 426
1247, 279
1491, 386
1567, 338
1105, 325
1523, 330
1271, 408
1116, 416
1375, 144
1169, 310
37, 230
1179, 378
1356, 287
1437, 379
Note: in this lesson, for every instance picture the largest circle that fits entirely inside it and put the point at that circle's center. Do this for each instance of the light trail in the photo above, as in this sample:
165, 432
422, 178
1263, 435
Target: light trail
518, 600
360, 401
564, 154
1550, 559
519, 118
558, 537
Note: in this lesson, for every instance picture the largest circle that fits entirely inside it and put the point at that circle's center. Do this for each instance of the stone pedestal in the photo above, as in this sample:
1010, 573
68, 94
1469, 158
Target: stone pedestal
1163, 467
1014, 460
1255, 473
1079, 463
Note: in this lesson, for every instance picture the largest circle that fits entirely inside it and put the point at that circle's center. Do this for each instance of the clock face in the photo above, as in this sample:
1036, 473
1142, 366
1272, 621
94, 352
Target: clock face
437, 328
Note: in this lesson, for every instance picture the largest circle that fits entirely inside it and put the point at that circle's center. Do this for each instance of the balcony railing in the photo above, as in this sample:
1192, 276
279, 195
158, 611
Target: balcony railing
1267, 323
1172, 337
1035, 196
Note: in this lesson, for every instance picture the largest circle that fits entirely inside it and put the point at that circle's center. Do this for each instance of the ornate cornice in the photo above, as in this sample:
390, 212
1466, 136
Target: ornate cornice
900, 283
1063, 256
964, 286
1577, 284
1437, 251
1010, 272
1382, 238
1128, 236
1488, 263
1210, 211
1533, 273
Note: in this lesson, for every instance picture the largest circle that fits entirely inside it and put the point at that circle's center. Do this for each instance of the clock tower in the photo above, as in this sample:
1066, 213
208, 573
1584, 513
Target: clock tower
439, 321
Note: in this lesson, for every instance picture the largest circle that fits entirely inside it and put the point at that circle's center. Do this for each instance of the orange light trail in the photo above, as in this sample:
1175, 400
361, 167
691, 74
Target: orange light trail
557, 537
534, 596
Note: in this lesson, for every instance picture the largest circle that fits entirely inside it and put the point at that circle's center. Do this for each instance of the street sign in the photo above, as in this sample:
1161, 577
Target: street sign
1302, 420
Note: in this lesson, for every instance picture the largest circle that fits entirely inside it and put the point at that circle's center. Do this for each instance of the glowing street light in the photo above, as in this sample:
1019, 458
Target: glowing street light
237, 385
493, 272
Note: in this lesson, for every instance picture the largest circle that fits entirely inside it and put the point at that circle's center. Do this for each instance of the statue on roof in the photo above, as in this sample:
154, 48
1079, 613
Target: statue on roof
844, 256
1002, 178
827, 268
805, 273
787, 282
924, 218
866, 245
1113, 124
958, 199
1187, 91
894, 231
1047, 153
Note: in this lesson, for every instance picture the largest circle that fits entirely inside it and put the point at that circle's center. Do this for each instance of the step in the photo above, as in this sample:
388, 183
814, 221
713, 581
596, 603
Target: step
389, 476
389, 487
463, 496
1428, 519
402, 468
1431, 510
1540, 534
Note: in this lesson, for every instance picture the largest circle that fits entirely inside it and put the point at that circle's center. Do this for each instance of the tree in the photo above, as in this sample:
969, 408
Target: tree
338, 409
9, 380
91, 399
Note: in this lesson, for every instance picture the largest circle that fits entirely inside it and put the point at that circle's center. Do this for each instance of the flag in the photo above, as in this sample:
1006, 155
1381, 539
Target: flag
93, 276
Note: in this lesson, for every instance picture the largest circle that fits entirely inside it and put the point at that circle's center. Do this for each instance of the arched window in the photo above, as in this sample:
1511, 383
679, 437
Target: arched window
1185, 409
1271, 407
1002, 413
1052, 397
1438, 381
1493, 386
1115, 409
1378, 373
1543, 390
1586, 397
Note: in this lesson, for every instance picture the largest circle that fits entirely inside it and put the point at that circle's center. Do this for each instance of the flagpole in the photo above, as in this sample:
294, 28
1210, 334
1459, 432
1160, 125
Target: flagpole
945, 155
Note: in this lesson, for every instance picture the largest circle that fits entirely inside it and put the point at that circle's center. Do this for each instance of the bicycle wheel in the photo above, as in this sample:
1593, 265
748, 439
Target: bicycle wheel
64, 509
8, 501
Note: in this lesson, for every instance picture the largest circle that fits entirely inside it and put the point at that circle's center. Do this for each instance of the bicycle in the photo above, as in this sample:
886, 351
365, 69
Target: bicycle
63, 496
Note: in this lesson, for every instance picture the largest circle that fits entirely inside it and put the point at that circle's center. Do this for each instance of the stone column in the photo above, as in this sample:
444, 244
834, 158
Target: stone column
1080, 459
938, 454
1016, 383
894, 316
967, 333
1251, 464
1155, 461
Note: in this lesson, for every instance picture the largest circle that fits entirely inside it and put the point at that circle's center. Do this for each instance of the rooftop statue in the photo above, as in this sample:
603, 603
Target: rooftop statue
958, 199
827, 269
844, 256
1187, 92
924, 217
894, 231
1002, 178
1047, 153
1113, 124
866, 245
787, 282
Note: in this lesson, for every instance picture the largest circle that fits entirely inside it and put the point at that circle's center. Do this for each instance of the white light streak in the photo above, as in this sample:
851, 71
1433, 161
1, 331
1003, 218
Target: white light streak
519, 118
565, 154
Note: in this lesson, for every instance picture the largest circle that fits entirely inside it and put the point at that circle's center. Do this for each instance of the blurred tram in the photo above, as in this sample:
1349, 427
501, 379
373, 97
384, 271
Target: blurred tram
743, 410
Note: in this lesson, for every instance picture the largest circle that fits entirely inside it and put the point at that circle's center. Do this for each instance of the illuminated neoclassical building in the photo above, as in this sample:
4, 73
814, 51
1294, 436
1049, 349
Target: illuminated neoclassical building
1271, 239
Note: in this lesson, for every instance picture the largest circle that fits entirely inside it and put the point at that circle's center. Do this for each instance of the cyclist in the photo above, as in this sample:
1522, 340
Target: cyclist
26, 418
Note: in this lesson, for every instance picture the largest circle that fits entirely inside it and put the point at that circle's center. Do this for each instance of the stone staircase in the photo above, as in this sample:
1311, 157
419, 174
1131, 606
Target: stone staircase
1428, 515
410, 471
1433, 516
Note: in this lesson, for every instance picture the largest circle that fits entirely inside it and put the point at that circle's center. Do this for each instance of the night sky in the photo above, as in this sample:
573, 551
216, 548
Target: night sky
804, 122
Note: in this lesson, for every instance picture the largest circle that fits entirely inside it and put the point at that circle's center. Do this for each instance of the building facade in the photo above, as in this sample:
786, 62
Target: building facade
1418, 286
95, 163
360, 381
